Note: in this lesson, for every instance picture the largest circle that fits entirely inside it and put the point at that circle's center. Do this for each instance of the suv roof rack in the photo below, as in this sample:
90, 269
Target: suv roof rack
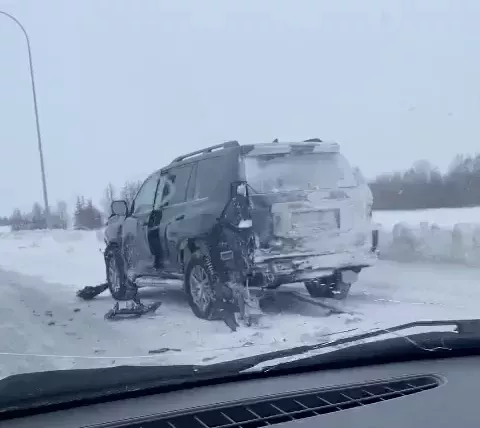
210, 149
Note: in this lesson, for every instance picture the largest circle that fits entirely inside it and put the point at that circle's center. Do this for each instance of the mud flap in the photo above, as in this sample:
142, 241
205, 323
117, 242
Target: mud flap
235, 298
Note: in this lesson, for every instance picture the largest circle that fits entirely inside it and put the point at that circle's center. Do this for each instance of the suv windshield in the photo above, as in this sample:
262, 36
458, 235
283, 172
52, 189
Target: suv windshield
291, 172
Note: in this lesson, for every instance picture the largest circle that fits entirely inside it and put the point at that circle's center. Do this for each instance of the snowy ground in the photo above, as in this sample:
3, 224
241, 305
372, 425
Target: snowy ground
44, 326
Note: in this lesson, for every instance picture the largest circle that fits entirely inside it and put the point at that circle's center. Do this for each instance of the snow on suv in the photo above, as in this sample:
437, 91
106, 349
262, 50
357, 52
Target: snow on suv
231, 217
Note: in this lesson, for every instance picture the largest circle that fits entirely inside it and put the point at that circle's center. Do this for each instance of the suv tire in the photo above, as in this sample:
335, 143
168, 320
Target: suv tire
200, 287
328, 287
121, 288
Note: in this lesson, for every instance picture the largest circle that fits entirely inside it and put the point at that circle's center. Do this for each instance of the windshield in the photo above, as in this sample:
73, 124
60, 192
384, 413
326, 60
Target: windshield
289, 172
194, 182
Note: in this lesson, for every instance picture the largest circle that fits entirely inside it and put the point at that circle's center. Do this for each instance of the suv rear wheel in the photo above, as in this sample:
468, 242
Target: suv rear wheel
200, 287
328, 287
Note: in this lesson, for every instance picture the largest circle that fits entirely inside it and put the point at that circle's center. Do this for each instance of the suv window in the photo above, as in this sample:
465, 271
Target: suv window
143, 202
179, 177
208, 174
191, 184
163, 192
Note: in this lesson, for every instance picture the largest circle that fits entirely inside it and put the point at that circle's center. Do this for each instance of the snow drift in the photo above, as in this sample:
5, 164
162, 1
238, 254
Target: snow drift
429, 242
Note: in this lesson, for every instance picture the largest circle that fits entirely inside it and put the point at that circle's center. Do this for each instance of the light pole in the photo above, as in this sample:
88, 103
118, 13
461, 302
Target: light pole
39, 135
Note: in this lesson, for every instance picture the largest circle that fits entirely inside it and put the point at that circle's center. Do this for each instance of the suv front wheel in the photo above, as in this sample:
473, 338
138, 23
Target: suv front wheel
121, 288
200, 287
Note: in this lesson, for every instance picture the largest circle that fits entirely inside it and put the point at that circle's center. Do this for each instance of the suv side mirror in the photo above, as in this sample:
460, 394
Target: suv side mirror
119, 208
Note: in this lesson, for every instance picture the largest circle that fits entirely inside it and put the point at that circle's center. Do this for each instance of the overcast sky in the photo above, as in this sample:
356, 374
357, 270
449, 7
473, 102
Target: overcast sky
126, 85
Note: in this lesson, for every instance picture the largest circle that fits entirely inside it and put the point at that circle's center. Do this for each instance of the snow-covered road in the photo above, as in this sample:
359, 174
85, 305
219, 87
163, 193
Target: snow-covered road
44, 326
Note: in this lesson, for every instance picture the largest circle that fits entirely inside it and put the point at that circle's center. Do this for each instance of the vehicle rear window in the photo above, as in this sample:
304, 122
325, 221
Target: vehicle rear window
179, 176
291, 172
209, 171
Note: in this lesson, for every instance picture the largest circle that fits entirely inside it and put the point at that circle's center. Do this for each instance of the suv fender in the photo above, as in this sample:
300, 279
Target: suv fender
189, 247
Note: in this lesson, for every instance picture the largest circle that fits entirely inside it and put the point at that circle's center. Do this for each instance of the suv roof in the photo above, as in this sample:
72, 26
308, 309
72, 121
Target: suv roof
318, 145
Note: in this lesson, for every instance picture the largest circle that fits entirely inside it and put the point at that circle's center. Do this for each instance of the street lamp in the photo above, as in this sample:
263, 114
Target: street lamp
39, 136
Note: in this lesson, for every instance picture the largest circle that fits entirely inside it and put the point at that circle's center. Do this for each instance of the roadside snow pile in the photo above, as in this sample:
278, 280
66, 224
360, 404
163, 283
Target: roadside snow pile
442, 217
430, 243
70, 257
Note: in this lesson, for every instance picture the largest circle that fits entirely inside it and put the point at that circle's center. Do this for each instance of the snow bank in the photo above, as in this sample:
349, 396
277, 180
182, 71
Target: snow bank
442, 217
446, 235
429, 242
70, 257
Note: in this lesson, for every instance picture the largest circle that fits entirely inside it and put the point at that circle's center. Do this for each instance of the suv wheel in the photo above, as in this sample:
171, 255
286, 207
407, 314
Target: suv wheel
328, 287
199, 285
121, 288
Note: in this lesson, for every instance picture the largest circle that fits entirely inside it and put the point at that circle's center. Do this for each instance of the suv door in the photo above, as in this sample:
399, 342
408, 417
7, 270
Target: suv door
136, 249
173, 209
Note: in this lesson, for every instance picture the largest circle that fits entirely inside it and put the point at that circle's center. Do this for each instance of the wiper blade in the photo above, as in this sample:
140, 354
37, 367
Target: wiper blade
463, 327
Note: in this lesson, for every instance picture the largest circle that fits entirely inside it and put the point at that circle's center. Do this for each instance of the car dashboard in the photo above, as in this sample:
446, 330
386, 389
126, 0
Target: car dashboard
436, 393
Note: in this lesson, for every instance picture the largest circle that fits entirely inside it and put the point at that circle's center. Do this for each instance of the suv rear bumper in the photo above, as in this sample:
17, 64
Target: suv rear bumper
299, 267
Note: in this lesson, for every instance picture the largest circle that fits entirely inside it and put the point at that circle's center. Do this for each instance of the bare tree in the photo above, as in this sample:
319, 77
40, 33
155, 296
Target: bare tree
109, 195
129, 190
62, 213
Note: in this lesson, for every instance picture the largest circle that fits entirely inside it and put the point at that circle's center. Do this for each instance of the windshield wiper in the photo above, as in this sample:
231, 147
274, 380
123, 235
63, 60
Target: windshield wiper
464, 328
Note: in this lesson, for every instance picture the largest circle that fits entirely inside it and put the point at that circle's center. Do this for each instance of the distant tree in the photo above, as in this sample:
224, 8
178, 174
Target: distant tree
86, 215
129, 190
109, 195
37, 217
17, 221
93, 216
423, 186
60, 216
78, 221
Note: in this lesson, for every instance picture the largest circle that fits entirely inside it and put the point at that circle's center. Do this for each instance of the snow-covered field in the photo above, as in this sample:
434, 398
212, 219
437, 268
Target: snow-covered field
44, 326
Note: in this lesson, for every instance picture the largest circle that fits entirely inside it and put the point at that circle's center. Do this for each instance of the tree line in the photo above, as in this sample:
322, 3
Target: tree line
36, 219
85, 215
423, 186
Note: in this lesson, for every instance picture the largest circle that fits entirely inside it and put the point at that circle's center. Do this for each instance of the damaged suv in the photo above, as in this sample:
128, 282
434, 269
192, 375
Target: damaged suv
231, 217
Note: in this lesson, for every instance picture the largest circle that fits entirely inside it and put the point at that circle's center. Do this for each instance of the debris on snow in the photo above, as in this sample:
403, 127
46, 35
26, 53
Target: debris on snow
163, 350
206, 359
133, 309
89, 292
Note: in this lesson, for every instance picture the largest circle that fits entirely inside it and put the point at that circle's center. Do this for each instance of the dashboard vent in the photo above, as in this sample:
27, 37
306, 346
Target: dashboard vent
274, 410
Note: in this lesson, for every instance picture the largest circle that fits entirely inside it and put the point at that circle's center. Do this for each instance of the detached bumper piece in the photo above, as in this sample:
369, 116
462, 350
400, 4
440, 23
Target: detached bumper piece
89, 292
134, 309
